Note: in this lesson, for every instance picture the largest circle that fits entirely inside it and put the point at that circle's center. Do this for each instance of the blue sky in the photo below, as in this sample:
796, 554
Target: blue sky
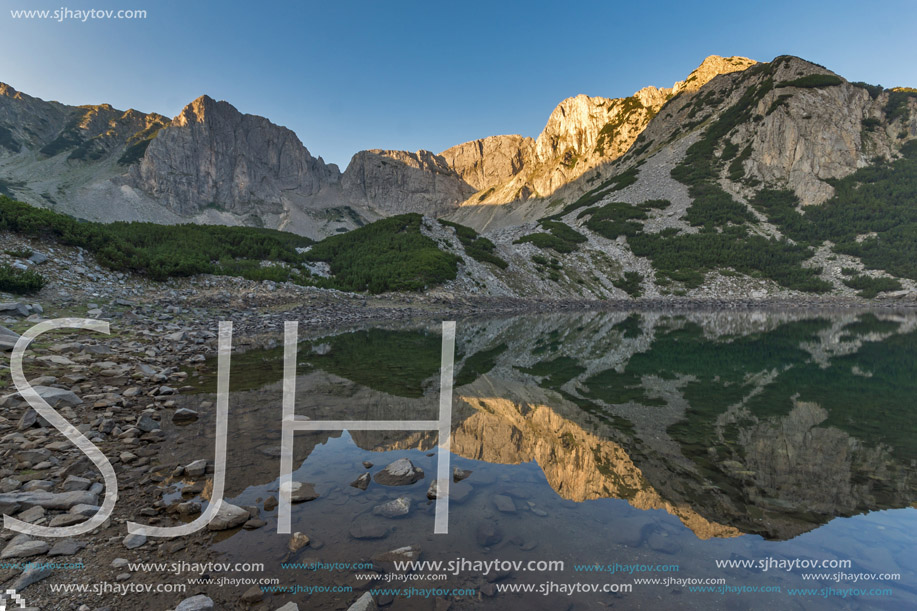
350, 75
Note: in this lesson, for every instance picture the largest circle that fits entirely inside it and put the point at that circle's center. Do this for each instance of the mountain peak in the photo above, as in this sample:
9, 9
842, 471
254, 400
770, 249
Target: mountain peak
711, 67
197, 110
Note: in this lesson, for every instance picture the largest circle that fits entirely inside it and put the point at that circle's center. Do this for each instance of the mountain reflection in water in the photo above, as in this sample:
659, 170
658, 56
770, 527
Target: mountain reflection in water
760, 423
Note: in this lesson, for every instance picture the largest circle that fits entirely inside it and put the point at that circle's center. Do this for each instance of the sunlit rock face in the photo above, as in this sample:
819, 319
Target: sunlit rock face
579, 465
581, 133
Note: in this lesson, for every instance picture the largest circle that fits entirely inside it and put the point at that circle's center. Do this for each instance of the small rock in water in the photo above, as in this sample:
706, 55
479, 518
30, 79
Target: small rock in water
661, 542
298, 541
488, 535
409, 552
252, 595
366, 529
299, 492
188, 508
459, 492
361, 482
367, 464
504, 503
229, 516
402, 472
393, 509
460, 474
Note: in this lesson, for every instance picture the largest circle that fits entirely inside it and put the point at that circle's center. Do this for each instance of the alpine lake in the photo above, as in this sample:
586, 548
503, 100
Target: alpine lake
707, 460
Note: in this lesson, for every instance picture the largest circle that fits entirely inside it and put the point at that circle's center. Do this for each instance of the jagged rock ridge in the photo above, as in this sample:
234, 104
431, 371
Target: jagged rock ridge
581, 133
214, 164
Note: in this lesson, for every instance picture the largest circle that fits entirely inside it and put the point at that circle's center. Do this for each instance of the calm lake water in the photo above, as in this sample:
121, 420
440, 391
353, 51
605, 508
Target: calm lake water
677, 443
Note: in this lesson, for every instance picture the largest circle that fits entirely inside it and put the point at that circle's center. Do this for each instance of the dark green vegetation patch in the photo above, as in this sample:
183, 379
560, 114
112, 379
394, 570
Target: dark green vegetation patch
631, 283
898, 101
686, 257
615, 388
162, 251
812, 81
615, 183
874, 91
476, 246
8, 142
615, 219
478, 364
20, 282
870, 287
870, 323
556, 372
871, 215
399, 363
560, 237
389, 255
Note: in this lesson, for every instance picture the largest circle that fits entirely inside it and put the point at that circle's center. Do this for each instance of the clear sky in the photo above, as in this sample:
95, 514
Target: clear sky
347, 75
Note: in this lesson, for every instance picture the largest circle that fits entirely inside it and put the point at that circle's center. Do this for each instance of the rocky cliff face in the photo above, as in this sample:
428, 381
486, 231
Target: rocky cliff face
396, 182
211, 155
810, 135
489, 161
65, 157
215, 164
806, 126
210, 164
85, 133
581, 133
27, 121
